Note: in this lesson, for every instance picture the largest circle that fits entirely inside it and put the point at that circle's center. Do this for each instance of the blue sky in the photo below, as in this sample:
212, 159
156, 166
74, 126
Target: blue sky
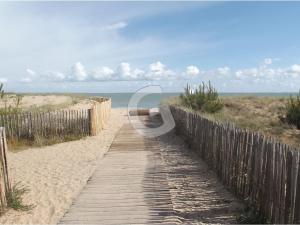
123, 46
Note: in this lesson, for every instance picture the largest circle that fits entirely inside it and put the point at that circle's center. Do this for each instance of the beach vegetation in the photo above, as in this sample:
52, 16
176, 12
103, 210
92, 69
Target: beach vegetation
263, 114
37, 140
4, 98
10, 105
15, 200
293, 111
204, 98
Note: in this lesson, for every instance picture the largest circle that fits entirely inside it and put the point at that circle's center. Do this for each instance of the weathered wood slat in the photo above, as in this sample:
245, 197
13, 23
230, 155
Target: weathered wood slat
256, 168
56, 123
130, 186
5, 188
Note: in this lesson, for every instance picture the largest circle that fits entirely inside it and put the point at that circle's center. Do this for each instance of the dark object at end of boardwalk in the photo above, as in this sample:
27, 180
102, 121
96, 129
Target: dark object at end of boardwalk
139, 112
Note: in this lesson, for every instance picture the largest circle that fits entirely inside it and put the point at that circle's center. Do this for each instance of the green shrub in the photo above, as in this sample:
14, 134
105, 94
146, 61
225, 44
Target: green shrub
293, 111
14, 198
205, 98
11, 108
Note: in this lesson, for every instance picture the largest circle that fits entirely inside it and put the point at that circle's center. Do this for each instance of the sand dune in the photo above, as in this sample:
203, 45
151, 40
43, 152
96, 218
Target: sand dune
29, 101
56, 174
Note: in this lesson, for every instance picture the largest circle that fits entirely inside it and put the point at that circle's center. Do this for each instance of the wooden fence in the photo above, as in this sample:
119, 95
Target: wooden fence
46, 124
258, 169
99, 115
57, 123
5, 188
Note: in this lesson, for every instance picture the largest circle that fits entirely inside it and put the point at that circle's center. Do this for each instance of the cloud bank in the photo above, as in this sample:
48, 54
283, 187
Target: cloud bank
158, 71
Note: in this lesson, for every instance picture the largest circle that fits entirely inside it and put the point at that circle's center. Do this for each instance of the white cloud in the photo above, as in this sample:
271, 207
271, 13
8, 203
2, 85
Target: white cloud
223, 70
157, 67
78, 72
102, 73
242, 73
115, 26
55, 76
192, 70
293, 71
295, 68
31, 72
125, 72
271, 74
139, 73
31, 76
268, 61
3, 80
158, 71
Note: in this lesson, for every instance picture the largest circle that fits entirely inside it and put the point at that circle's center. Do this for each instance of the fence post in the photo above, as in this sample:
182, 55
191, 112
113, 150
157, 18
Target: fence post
259, 169
4, 181
91, 121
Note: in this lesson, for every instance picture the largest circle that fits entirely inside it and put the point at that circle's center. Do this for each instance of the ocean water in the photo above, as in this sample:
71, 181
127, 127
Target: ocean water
120, 100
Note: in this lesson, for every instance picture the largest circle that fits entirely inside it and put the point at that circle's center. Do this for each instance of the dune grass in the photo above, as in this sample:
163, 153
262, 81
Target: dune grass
260, 114
12, 103
14, 198
39, 141
204, 98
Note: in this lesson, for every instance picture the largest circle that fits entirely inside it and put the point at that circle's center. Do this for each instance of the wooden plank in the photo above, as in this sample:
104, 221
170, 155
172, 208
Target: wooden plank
134, 182
149, 173
297, 198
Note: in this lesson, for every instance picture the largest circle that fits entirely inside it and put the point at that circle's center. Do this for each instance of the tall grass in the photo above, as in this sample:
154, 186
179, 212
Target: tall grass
11, 108
37, 140
14, 198
204, 98
10, 195
293, 111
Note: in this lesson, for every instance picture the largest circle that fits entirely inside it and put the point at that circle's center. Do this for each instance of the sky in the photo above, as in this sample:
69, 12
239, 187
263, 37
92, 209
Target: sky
101, 47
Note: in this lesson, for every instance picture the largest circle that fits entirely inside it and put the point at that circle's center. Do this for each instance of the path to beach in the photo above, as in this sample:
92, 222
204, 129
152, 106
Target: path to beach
152, 181
55, 175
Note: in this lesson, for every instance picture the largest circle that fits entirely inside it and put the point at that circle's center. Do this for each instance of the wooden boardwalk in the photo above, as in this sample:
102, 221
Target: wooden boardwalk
135, 184
129, 186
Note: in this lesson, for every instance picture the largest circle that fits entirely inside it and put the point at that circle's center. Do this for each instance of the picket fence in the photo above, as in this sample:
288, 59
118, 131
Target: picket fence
57, 123
99, 115
256, 168
19, 126
5, 188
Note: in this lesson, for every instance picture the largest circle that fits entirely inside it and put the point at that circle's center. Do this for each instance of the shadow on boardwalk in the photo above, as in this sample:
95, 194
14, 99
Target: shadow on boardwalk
197, 195
151, 181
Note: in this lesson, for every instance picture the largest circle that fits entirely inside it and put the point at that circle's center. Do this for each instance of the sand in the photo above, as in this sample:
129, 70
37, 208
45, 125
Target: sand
82, 104
29, 101
56, 174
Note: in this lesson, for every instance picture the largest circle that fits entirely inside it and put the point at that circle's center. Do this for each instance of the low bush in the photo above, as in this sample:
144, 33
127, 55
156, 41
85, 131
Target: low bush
293, 111
7, 109
205, 98
16, 145
14, 198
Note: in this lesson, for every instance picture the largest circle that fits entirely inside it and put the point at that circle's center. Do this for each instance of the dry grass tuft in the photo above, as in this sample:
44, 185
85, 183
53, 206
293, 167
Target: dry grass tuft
260, 114
14, 198
39, 141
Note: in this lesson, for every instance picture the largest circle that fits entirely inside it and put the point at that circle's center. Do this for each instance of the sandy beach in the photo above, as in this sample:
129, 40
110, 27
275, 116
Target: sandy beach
29, 101
55, 175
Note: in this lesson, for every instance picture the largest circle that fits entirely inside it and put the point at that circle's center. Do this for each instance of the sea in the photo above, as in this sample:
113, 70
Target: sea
121, 100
